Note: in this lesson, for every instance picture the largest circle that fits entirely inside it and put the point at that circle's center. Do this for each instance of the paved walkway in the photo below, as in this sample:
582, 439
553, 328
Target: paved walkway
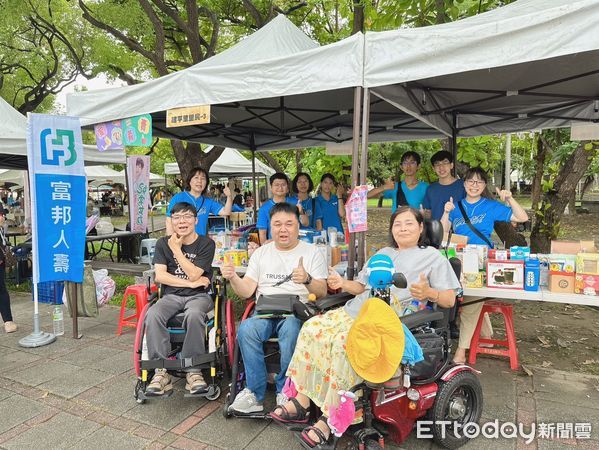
79, 394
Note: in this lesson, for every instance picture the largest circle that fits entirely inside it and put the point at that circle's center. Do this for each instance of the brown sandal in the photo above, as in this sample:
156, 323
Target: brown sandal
301, 414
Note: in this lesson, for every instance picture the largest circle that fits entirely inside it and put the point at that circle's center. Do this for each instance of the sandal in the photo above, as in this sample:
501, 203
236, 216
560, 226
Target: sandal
323, 443
301, 414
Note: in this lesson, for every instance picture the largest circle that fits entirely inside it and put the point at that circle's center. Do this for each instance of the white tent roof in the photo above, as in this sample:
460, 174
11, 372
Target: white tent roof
530, 64
230, 163
13, 144
275, 89
95, 174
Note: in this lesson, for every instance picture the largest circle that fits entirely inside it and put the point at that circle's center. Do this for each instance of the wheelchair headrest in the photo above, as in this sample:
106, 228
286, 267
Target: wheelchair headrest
433, 231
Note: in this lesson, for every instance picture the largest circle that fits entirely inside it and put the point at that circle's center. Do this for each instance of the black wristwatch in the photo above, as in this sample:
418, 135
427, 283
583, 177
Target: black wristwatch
308, 280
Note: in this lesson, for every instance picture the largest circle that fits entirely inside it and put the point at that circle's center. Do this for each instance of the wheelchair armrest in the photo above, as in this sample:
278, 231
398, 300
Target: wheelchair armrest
421, 317
332, 301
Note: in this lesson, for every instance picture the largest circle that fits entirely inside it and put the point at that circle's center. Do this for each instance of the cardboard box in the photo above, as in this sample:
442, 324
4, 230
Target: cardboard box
505, 274
473, 280
572, 247
587, 263
586, 284
562, 263
455, 239
561, 282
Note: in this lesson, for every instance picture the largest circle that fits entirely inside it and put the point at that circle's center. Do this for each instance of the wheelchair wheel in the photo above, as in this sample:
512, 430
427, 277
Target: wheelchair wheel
139, 336
459, 400
214, 395
228, 324
226, 413
139, 386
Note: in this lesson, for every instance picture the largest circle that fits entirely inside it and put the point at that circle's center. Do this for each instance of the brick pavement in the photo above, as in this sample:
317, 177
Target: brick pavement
79, 394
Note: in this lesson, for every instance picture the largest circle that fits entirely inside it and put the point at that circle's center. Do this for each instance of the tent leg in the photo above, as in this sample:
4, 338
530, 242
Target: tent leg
351, 257
255, 192
364, 168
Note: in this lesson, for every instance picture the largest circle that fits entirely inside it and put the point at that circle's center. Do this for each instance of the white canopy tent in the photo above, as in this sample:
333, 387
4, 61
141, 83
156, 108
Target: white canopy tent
96, 175
13, 144
531, 64
231, 163
275, 89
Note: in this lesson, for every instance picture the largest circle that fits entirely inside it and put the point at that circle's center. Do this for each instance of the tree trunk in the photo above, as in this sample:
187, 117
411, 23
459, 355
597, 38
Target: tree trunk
547, 224
191, 155
538, 178
272, 162
358, 24
298, 161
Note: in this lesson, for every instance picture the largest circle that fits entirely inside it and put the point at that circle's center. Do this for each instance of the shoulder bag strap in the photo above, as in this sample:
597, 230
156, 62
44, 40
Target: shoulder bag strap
401, 196
472, 227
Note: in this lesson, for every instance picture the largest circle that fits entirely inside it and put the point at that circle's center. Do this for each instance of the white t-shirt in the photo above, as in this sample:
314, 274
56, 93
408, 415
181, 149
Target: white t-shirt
268, 265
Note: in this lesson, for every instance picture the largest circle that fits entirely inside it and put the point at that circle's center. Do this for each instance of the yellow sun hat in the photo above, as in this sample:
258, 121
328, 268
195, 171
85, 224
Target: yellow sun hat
375, 342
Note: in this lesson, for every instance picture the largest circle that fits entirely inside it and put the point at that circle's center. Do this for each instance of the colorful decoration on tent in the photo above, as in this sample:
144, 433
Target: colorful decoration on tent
109, 136
137, 131
356, 210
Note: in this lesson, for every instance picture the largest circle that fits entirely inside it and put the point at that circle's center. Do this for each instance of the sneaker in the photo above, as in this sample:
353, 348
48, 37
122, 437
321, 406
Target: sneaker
246, 403
160, 384
195, 382
10, 327
281, 399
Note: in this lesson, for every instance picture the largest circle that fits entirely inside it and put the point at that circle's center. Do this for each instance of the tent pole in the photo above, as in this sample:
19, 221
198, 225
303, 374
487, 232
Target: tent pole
364, 167
254, 182
508, 161
453, 142
351, 257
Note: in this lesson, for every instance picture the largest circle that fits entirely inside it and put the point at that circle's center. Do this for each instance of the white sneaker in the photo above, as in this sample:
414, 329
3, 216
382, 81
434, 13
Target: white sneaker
246, 403
281, 399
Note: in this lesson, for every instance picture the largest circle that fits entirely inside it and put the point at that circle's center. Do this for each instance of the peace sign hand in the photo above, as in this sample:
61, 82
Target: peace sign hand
504, 195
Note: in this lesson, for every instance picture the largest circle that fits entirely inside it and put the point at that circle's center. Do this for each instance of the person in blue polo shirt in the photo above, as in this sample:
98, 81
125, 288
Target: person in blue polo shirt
279, 185
441, 191
197, 186
410, 191
329, 205
302, 186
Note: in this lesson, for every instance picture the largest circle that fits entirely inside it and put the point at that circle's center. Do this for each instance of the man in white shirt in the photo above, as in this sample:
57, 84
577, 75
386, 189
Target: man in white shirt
284, 266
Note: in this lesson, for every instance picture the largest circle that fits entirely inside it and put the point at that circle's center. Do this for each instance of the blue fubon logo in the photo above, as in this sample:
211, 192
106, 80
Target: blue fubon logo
62, 143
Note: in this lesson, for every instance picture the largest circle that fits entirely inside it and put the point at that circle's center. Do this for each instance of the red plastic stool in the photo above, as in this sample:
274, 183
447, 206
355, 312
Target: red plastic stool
140, 292
512, 352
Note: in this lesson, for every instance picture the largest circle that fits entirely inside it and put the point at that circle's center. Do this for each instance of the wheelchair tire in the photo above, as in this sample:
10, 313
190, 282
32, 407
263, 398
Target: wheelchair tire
229, 326
370, 444
460, 399
215, 395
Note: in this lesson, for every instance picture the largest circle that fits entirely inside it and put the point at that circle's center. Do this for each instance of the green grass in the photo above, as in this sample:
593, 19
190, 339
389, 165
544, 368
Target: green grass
374, 202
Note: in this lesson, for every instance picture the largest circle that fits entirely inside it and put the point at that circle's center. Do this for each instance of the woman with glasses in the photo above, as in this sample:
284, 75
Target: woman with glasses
475, 216
410, 192
197, 187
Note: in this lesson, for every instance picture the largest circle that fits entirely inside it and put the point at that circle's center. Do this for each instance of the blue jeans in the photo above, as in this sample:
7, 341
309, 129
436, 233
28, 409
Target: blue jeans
252, 334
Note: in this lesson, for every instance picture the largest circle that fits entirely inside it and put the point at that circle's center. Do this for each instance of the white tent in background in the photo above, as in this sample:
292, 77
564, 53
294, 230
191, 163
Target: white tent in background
13, 143
231, 163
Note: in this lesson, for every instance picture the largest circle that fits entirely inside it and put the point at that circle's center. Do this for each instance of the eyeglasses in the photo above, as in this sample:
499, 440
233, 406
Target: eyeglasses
441, 163
185, 217
475, 182
279, 185
409, 163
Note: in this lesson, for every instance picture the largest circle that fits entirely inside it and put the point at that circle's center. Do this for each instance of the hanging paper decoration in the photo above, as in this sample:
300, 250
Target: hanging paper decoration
356, 210
109, 136
137, 131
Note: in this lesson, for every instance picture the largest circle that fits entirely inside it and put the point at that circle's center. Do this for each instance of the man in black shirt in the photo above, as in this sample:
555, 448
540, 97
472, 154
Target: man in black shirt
183, 264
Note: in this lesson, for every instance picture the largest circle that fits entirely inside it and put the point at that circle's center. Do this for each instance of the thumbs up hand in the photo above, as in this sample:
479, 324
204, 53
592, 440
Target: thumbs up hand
449, 206
335, 281
421, 289
299, 274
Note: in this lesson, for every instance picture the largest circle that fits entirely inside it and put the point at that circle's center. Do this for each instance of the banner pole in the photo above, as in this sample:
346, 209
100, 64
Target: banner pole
38, 338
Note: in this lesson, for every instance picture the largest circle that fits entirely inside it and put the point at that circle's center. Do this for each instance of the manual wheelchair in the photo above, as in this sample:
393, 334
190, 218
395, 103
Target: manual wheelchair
215, 361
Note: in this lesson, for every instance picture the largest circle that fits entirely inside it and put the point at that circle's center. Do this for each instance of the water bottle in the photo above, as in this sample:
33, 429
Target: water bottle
58, 321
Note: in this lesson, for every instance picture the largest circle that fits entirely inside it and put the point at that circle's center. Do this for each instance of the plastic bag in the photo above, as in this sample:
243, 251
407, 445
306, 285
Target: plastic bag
105, 286
104, 227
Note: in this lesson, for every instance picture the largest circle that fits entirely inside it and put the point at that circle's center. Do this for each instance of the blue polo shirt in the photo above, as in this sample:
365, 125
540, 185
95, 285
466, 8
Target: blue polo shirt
204, 205
415, 197
329, 211
263, 222
438, 194
483, 214
312, 208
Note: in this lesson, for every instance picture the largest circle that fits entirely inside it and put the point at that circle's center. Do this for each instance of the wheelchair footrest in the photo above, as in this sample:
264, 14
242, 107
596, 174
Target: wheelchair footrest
144, 396
262, 415
173, 364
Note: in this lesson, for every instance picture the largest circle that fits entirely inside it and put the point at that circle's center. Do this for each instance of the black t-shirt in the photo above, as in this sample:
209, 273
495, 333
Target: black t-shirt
238, 200
200, 253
